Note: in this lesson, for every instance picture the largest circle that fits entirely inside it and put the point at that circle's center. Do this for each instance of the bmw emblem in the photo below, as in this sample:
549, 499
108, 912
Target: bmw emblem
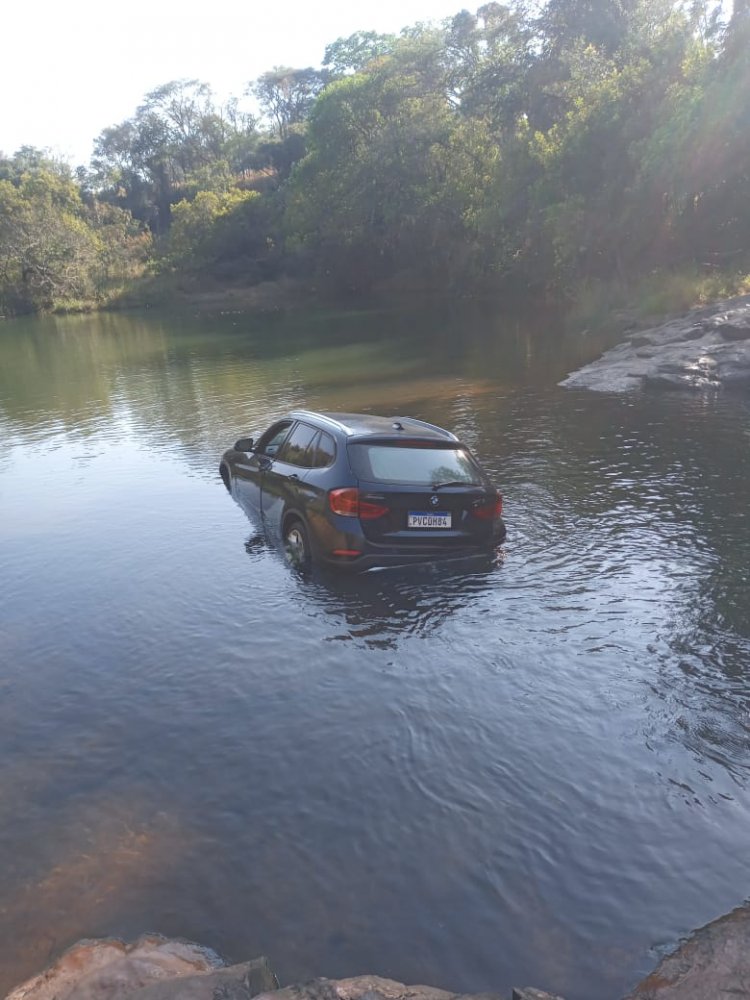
434, 501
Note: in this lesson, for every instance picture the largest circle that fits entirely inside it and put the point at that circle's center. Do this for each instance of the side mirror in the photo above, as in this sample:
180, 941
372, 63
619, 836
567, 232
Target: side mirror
244, 444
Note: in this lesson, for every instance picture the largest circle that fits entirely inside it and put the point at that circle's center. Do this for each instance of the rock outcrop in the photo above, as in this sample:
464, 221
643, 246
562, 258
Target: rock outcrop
377, 988
708, 348
152, 968
713, 964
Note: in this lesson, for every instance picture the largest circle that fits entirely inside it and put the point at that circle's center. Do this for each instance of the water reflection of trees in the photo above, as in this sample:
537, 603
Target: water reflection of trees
196, 382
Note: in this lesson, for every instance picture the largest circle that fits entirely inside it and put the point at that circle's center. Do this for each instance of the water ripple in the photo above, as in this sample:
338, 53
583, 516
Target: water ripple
393, 772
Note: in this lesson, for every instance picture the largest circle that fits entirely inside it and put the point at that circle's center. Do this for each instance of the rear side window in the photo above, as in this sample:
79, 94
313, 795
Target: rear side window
324, 452
296, 447
421, 466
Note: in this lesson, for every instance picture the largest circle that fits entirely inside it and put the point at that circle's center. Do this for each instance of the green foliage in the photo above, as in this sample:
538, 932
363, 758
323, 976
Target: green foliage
545, 147
698, 160
394, 182
597, 303
282, 154
600, 202
177, 141
218, 227
54, 247
286, 95
568, 145
357, 52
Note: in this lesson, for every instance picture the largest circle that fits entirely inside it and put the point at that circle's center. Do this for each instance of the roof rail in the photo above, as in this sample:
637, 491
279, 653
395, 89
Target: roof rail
316, 415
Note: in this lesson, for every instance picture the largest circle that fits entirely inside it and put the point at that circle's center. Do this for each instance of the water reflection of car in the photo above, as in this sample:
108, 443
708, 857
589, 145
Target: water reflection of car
359, 491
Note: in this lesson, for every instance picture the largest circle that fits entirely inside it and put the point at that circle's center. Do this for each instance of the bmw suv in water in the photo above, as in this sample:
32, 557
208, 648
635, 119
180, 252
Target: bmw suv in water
359, 491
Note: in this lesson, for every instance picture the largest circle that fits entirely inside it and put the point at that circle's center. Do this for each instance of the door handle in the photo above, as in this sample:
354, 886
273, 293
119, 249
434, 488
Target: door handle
294, 476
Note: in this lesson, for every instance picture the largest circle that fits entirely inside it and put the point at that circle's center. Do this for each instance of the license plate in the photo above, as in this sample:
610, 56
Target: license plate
428, 519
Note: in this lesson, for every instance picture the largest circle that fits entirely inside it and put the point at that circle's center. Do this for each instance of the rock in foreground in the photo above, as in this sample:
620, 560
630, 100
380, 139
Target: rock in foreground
712, 965
152, 968
707, 348
377, 988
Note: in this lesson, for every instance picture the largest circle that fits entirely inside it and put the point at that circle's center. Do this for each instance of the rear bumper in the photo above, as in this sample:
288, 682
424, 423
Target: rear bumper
377, 556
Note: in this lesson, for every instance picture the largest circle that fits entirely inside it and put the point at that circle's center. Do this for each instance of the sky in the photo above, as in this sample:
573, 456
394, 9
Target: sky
70, 69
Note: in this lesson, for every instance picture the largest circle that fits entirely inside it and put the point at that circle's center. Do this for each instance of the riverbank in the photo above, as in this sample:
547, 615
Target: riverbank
205, 296
714, 962
591, 306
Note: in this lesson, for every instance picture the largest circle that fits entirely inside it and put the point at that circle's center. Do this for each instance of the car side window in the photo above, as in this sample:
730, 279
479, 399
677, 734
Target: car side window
325, 451
296, 448
273, 439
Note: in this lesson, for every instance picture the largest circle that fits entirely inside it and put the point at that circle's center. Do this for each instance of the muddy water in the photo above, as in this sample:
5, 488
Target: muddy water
476, 776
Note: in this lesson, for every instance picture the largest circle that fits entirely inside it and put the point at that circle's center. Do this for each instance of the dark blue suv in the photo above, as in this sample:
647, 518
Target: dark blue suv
357, 491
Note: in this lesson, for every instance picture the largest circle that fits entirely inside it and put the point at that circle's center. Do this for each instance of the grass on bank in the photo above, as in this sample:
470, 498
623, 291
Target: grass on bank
594, 305
599, 304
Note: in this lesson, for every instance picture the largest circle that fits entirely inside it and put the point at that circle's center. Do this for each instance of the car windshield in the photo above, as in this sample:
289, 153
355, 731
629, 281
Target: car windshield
420, 465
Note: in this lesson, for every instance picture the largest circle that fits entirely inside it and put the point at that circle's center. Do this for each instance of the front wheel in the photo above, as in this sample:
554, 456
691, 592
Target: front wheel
297, 545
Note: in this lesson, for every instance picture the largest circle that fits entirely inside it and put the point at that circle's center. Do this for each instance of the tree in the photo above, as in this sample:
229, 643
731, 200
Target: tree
231, 234
55, 248
696, 160
287, 95
177, 133
46, 249
553, 142
357, 52
491, 54
738, 31
388, 183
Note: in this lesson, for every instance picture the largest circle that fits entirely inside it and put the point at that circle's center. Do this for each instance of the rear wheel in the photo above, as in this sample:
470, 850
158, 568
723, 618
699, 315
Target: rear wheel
297, 545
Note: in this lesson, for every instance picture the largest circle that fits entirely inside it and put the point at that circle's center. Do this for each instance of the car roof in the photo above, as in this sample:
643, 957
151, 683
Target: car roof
366, 424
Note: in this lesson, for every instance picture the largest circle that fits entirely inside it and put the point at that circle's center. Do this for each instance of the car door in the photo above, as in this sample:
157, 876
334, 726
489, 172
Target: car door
282, 482
314, 484
252, 467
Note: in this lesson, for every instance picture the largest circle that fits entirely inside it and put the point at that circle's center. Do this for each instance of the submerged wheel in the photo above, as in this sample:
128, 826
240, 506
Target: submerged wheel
224, 473
297, 545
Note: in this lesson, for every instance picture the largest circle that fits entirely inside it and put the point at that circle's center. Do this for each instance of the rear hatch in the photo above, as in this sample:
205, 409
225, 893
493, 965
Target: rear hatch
434, 493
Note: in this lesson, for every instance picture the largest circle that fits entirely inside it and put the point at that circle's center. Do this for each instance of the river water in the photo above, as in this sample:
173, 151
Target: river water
473, 776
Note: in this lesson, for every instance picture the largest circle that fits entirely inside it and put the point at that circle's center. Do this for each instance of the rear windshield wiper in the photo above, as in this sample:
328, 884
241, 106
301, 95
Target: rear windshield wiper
453, 482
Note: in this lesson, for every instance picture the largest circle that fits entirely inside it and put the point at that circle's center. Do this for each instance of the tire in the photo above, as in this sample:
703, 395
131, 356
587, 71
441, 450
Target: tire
224, 473
297, 545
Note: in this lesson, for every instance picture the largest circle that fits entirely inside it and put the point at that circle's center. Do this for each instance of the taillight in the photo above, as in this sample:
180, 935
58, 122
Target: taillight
489, 511
344, 502
347, 502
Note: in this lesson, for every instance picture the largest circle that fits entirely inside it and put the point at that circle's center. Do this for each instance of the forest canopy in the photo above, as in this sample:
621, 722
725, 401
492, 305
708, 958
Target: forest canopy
584, 140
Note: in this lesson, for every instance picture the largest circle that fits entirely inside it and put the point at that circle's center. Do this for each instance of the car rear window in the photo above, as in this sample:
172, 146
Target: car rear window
416, 465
